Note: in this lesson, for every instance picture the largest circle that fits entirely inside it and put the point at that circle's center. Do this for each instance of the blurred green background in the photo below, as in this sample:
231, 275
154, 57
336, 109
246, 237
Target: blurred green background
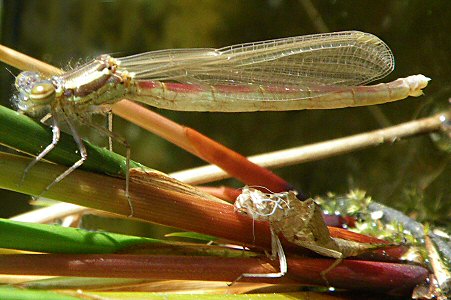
412, 175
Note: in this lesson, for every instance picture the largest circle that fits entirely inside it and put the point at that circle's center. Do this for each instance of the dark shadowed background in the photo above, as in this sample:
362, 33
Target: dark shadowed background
412, 175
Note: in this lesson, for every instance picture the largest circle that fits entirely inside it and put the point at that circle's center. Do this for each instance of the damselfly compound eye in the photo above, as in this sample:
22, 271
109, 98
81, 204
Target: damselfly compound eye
26, 80
42, 92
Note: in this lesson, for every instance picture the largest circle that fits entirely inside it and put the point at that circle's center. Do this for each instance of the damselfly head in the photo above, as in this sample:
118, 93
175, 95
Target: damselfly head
35, 93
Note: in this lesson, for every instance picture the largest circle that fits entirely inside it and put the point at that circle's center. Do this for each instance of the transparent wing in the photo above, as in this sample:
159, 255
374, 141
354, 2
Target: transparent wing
341, 58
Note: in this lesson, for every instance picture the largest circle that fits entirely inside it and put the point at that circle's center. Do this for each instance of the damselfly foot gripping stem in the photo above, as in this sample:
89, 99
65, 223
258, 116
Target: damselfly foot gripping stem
37, 98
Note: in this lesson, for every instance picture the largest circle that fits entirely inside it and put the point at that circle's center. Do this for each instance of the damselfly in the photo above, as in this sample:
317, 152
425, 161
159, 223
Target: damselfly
320, 71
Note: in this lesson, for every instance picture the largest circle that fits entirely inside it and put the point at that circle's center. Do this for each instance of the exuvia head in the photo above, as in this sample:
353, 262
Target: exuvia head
36, 94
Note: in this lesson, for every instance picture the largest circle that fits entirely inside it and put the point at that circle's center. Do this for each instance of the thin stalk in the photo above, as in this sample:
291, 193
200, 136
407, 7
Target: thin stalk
50, 213
326, 149
24, 62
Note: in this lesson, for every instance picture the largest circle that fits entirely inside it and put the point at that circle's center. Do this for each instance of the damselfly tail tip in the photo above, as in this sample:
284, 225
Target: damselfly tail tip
416, 84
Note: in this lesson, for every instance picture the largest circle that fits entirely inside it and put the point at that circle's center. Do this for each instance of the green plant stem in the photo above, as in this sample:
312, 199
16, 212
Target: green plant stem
58, 239
12, 293
26, 135
156, 199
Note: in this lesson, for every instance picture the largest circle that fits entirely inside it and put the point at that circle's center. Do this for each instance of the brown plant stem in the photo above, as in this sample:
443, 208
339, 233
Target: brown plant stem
235, 164
322, 150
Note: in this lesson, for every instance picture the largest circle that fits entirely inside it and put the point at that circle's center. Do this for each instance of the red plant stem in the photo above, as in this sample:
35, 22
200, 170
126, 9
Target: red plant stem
222, 192
235, 164
195, 214
386, 277
203, 147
